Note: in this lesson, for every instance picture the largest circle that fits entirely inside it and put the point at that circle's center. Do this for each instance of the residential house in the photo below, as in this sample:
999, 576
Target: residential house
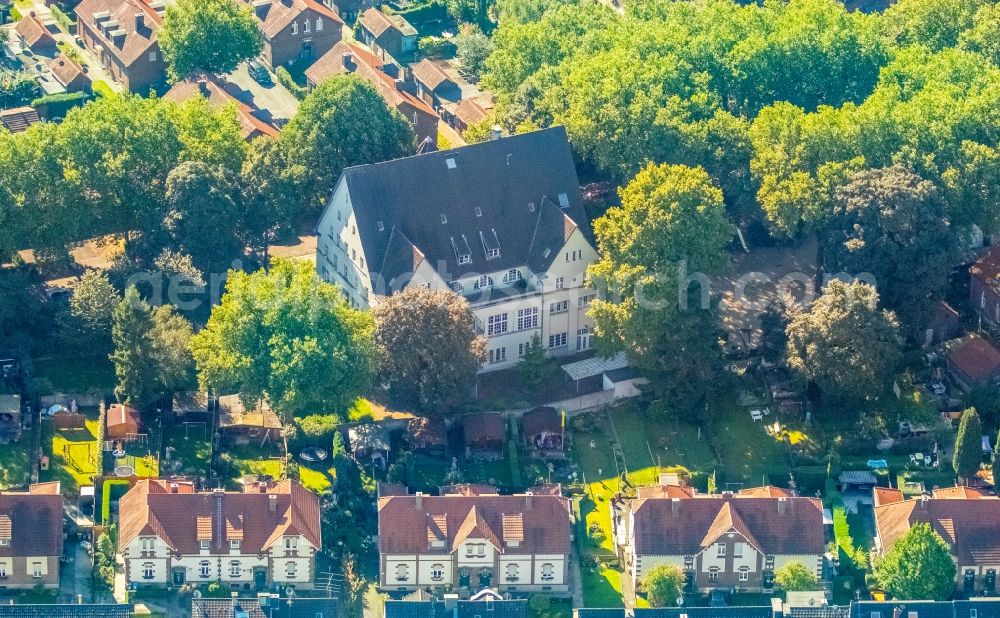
391, 37
240, 425
542, 429
122, 35
266, 606
349, 10
500, 222
434, 85
465, 543
266, 536
972, 360
295, 30
66, 610
33, 35
193, 405
353, 58
968, 520
10, 418
427, 433
486, 602
31, 537
484, 434
732, 541
369, 443
70, 74
984, 287
471, 111
121, 421
219, 93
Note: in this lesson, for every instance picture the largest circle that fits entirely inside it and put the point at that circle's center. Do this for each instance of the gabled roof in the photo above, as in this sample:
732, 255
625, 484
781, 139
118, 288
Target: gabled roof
974, 356
688, 525
427, 430
119, 414
436, 200
219, 92
274, 18
970, 525
473, 110
17, 119
766, 491
539, 524
136, 43
66, 70
987, 268
543, 419
34, 32
377, 22
32, 522
182, 520
485, 426
432, 76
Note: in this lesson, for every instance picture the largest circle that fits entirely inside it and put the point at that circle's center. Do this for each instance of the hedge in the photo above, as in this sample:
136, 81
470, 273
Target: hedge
106, 491
436, 47
15, 13
285, 79
56, 105
68, 23
431, 11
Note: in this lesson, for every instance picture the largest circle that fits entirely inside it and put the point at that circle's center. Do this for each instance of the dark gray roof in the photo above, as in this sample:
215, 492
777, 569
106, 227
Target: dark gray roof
65, 611
705, 612
300, 607
514, 608
923, 609
430, 203
819, 612
593, 612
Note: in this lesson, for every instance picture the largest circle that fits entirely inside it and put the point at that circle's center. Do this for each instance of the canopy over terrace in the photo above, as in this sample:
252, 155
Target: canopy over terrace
595, 366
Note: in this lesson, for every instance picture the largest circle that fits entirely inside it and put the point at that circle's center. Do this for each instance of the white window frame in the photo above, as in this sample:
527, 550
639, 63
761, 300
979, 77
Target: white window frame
204, 569
557, 340
737, 550
548, 572
319, 24
720, 550
437, 572
744, 574
291, 569
498, 355
512, 572
512, 276
484, 281
560, 283
235, 569
402, 572
307, 26
295, 27
152, 56
713, 574
496, 324
527, 318
234, 544
560, 306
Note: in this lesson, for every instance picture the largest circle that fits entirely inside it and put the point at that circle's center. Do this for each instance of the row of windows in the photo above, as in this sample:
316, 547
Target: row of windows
36, 570
307, 26
744, 574
526, 318
548, 572
205, 569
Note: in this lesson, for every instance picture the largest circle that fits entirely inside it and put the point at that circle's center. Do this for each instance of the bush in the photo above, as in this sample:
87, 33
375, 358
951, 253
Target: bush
539, 603
56, 105
432, 11
112, 490
285, 79
15, 13
315, 430
436, 47
216, 590
65, 22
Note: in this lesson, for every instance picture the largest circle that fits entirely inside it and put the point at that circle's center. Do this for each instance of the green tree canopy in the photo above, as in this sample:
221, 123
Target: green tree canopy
845, 343
213, 36
891, 224
918, 566
984, 35
663, 584
671, 222
473, 48
93, 305
429, 351
288, 337
134, 366
343, 122
968, 454
794, 577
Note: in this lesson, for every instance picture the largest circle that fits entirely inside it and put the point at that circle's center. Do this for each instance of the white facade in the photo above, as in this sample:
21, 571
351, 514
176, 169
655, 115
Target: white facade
522, 304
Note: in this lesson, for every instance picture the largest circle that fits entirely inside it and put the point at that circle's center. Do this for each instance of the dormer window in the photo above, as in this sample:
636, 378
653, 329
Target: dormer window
444, 218
206, 545
450, 162
563, 200
457, 286
479, 211
491, 244
463, 253
234, 544
511, 276
484, 281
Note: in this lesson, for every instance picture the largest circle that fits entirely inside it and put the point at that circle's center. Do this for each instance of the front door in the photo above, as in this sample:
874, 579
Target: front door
178, 577
463, 578
485, 578
260, 578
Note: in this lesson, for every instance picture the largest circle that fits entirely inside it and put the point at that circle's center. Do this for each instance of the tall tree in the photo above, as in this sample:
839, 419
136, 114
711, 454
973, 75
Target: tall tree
472, 49
968, 454
288, 337
663, 584
343, 122
918, 566
213, 36
891, 223
845, 343
428, 348
984, 35
671, 222
170, 337
794, 577
93, 305
132, 355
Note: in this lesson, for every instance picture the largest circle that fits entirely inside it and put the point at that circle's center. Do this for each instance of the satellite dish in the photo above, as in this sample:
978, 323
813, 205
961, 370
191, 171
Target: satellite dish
196, 594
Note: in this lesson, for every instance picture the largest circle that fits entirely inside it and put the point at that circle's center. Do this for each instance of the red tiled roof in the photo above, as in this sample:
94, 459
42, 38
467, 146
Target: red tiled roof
32, 522
665, 491
219, 93
987, 268
885, 495
119, 414
427, 430
974, 356
544, 419
375, 21
136, 42
468, 489
959, 492
971, 526
686, 526
485, 427
181, 520
767, 491
66, 70
471, 111
428, 73
34, 32
281, 13
543, 527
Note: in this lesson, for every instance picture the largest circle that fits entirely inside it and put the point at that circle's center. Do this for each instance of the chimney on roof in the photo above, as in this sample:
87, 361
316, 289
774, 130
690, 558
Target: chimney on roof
527, 499
348, 60
174, 488
782, 505
203, 85
419, 502
495, 132
726, 495
272, 503
675, 506
140, 22
400, 85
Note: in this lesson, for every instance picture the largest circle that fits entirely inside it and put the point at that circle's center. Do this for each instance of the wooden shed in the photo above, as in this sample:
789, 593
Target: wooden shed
120, 421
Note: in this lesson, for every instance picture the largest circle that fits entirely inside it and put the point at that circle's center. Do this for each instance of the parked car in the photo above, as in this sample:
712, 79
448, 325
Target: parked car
259, 73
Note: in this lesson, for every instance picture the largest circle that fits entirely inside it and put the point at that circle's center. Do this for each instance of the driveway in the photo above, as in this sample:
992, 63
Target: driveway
275, 99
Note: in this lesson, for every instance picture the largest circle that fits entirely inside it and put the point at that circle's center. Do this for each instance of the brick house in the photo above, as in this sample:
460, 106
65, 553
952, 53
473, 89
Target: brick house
434, 85
729, 541
391, 37
475, 540
266, 536
967, 519
31, 537
984, 286
219, 93
121, 34
972, 360
295, 30
70, 74
34, 35
353, 58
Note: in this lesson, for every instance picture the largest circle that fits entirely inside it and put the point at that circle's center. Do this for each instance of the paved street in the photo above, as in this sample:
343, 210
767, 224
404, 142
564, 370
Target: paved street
276, 98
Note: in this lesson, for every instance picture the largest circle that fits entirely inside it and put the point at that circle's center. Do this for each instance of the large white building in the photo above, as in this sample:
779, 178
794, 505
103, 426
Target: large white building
500, 222
264, 537
474, 540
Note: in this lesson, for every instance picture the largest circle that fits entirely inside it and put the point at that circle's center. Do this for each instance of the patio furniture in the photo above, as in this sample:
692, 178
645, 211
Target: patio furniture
919, 458
756, 415
928, 460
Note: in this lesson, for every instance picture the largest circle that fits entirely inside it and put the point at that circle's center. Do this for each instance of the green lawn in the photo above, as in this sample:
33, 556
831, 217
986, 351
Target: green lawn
317, 480
75, 374
71, 453
192, 447
558, 608
14, 464
602, 587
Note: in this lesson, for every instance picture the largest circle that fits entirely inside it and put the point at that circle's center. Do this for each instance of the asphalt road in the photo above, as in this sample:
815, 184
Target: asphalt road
275, 99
